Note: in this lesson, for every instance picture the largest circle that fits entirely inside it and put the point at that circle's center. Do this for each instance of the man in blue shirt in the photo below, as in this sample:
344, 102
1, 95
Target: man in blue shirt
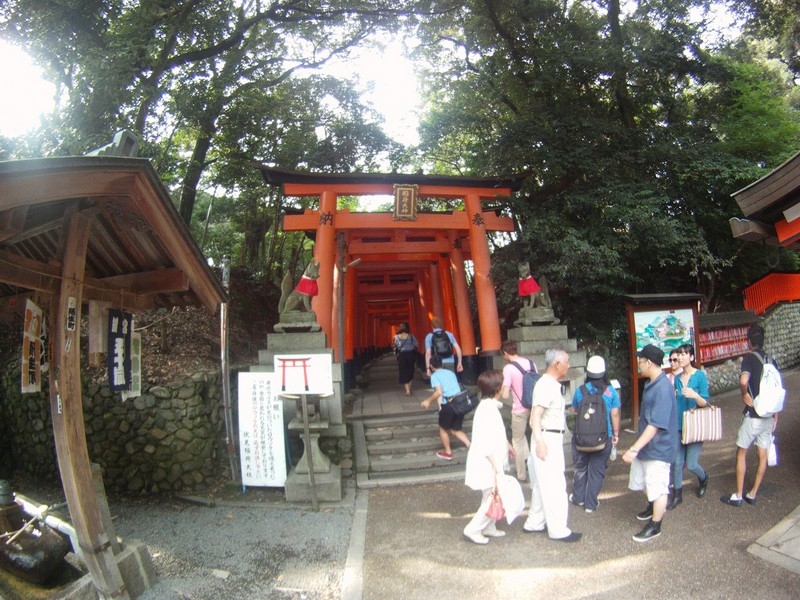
652, 453
451, 361
445, 385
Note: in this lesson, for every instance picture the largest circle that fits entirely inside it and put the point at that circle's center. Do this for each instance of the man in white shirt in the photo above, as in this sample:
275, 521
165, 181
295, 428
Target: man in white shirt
549, 503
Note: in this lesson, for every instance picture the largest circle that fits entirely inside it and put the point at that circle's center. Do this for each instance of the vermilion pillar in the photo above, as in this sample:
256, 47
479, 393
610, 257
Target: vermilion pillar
465, 331
436, 290
451, 318
351, 290
484, 287
325, 254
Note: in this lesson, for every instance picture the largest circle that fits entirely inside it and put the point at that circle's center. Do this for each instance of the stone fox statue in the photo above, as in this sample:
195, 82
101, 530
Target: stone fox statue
300, 297
532, 293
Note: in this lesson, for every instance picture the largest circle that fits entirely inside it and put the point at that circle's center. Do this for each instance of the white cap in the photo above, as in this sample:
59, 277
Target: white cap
596, 366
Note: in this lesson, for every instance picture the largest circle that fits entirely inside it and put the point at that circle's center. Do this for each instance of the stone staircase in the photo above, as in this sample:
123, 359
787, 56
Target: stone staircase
401, 449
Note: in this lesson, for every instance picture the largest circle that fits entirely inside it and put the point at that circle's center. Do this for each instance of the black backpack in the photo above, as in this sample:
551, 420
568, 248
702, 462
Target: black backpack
529, 379
441, 345
591, 423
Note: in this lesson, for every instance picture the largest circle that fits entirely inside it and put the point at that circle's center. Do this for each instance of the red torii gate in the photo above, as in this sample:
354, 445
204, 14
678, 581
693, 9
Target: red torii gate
411, 268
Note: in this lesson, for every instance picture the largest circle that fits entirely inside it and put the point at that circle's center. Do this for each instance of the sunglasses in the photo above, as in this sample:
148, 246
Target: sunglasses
673, 360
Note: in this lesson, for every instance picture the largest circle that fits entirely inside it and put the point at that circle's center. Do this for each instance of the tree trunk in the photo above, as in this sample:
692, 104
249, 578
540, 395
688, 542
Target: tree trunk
192, 178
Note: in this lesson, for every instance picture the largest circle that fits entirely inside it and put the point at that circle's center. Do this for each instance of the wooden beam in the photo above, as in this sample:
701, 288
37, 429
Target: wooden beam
41, 277
151, 282
12, 222
387, 189
66, 406
374, 222
46, 186
26, 273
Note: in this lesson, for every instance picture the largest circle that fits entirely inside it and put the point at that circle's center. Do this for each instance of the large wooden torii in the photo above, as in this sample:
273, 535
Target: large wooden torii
412, 268
77, 229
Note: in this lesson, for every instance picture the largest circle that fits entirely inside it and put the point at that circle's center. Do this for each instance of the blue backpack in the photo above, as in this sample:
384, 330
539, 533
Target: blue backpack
529, 379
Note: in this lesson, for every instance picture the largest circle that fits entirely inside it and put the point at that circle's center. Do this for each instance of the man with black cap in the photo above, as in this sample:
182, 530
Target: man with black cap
654, 450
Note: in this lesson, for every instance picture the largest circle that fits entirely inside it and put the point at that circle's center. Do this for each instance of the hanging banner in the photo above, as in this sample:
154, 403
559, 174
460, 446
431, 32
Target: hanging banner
305, 373
120, 327
261, 431
136, 367
32, 352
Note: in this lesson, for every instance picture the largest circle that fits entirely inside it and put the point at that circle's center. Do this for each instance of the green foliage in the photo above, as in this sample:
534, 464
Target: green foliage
634, 136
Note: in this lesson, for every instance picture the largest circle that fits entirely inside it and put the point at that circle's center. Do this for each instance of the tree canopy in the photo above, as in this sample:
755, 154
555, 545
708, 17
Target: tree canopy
632, 122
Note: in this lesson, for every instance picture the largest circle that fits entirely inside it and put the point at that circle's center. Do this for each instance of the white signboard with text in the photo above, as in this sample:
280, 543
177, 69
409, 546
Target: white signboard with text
261, 432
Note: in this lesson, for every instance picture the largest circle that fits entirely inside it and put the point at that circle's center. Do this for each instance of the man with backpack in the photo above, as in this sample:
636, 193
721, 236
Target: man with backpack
596, 432
443, 344
517, 369
754, 427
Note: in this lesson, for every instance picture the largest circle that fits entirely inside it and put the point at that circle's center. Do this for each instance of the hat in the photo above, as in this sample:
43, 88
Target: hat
596, 367
652, 353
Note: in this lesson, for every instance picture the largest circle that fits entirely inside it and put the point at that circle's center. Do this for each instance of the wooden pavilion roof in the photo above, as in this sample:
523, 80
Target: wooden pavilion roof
140, 252
769, 203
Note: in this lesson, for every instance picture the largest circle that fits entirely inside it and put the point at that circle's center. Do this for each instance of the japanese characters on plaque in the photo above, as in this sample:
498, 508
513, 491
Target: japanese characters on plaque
405, 202
120, 330
32, 349
261, 431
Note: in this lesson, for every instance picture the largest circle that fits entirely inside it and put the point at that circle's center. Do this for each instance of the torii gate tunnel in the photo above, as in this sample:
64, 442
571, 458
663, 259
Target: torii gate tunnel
410, 265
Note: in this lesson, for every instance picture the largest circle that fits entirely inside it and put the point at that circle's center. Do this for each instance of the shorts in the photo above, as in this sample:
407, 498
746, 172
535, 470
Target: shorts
450, 420
651, 476
754, 429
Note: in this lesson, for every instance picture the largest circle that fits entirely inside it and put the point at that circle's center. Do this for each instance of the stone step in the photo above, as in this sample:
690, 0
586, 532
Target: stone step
432, 475
428, 442
413, 461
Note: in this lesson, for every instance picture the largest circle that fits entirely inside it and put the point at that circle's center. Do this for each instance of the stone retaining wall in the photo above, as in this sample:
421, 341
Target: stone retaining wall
170, 439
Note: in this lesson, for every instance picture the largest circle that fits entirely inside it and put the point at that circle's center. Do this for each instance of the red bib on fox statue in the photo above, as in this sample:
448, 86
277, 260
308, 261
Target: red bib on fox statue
527, 287
309, 287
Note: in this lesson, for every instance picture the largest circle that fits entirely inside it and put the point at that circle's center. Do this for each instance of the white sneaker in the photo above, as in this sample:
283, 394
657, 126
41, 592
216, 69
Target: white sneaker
591, 510
477, 538
493, 533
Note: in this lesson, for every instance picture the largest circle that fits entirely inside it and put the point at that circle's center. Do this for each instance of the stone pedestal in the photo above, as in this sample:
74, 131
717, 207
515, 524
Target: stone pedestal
297, 321
328, 486
321, 463
536, 315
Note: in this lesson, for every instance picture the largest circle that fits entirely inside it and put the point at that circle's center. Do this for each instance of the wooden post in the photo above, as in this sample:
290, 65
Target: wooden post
67, 412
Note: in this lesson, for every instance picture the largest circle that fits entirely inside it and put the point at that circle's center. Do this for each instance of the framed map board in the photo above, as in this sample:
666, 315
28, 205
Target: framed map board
663, 320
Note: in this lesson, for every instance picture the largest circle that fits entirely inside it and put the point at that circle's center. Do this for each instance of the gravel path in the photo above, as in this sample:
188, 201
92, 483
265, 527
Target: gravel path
240, 550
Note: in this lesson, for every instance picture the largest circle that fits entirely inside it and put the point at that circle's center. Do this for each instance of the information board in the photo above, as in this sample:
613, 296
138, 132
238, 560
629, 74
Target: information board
261, 432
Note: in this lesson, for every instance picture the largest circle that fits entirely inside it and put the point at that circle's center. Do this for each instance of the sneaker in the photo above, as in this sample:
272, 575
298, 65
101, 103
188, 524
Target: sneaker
573, 501
493, 533
448, 456
646, 514
749, 500
650, 531
730, 500
542, 530
477, 538
572, 537
591, 510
